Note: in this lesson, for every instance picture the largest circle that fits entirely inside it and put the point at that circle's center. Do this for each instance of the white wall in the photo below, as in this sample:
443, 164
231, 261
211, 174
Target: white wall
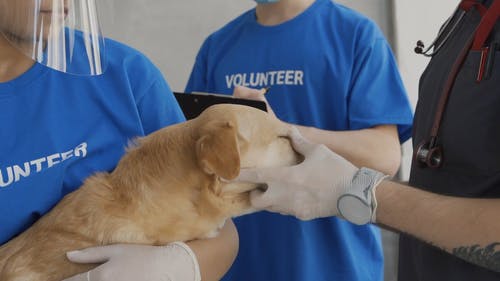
171, 32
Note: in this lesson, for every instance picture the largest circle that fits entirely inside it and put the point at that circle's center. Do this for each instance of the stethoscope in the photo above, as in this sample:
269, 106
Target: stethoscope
419, 49
429, 153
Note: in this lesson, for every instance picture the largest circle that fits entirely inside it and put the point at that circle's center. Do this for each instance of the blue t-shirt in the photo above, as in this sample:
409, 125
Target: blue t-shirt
330, 68
56, 129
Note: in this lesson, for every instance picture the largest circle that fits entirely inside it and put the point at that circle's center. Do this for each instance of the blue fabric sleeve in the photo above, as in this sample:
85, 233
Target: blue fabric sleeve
156, 104
159, 108
198, 78
377, 92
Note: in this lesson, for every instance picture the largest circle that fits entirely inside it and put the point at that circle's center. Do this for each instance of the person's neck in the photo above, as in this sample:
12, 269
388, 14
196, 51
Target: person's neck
12, 62
280, 12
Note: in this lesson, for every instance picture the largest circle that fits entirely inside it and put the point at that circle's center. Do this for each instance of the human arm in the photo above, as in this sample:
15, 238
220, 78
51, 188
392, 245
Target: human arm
216, 255
377, 147
460, 226
212, 258
464, 227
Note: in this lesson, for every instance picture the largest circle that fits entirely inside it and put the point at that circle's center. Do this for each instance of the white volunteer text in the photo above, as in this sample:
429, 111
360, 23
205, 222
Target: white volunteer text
12, 174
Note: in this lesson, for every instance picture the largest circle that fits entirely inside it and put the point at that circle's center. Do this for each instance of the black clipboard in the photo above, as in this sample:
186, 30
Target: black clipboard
192, 104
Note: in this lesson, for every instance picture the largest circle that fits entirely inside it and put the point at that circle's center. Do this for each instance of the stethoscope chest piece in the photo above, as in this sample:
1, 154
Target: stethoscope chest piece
429, 155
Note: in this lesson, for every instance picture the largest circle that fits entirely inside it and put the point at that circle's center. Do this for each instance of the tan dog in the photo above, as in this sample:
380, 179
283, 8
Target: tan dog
168, 187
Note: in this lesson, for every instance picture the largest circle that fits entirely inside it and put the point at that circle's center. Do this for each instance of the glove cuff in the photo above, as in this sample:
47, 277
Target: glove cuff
358, 203
187, 250
378, 179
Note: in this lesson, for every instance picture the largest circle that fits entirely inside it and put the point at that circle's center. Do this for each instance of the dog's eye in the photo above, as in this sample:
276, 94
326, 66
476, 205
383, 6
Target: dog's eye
283, 138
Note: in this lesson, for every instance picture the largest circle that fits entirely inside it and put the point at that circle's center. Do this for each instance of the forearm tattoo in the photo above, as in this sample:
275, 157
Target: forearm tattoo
488, 256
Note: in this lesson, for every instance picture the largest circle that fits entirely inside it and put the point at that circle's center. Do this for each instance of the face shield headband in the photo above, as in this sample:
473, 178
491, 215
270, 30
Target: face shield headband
62, 34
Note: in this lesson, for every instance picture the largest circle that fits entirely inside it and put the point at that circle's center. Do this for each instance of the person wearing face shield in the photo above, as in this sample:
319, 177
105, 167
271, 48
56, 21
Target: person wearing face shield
69, 102
328, 70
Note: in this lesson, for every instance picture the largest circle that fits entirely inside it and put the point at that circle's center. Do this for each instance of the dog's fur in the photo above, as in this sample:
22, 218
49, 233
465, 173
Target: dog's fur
168, 187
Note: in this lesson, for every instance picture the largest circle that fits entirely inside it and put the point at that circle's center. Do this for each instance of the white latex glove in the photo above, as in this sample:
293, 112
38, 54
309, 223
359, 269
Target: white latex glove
308, 190
126, 262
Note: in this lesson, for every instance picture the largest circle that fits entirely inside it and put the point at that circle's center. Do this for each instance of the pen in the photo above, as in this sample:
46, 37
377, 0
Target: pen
266, 90
490, 60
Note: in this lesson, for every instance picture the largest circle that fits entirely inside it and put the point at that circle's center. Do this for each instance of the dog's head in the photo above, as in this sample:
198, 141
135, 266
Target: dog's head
232, 137
190, 165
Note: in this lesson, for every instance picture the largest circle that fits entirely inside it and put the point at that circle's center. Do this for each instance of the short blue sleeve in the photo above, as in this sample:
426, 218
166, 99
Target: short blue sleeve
156, 104
198, 78
377, 93
158, 107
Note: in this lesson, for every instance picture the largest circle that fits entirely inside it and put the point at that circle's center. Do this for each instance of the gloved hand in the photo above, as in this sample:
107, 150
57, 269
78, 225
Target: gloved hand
173, 262
308, 190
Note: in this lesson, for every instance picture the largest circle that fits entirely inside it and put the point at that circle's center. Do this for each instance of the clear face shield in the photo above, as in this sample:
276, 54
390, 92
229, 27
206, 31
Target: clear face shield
62, 34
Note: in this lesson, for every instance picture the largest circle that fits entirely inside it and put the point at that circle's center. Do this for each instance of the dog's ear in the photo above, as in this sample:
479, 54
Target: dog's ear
217, 150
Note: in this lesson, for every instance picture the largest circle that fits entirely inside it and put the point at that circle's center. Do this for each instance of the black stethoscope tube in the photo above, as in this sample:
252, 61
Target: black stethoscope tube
429, 153
419, 49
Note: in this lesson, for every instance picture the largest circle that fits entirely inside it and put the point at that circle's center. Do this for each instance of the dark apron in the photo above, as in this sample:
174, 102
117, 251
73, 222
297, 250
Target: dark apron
469, 136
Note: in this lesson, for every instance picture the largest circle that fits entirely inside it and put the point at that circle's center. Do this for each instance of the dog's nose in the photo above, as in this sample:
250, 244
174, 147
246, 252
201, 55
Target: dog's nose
262, 187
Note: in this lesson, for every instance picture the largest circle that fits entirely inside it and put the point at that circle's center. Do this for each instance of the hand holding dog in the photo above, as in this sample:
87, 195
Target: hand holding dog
173, 262
243, 92
308, 190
